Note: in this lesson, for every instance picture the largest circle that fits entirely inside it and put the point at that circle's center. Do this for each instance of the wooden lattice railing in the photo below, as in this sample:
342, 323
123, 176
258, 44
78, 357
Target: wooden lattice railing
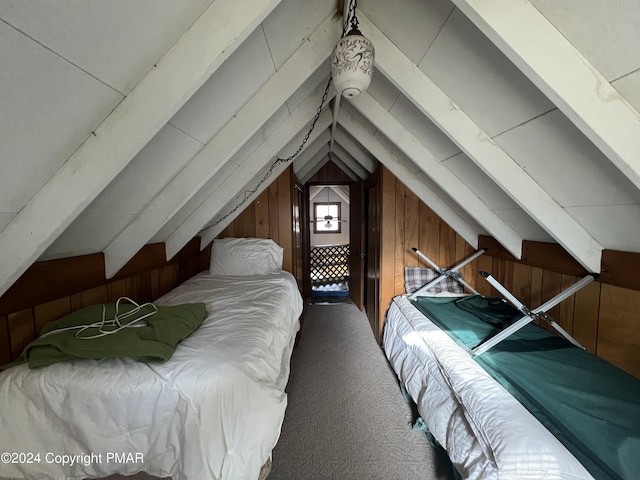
329, 264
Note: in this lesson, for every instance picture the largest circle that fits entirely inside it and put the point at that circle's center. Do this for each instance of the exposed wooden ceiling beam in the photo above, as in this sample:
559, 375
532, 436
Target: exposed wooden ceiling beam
480, 148
350, 162
306, 157
343, 165
406, 176
155, 99
356, 151
212, 232
315, 163
249, 168
273, 94
414, 149
560, 71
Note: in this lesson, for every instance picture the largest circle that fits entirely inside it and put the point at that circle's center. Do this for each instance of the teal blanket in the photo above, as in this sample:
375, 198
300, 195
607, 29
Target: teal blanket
156, 340
591, 406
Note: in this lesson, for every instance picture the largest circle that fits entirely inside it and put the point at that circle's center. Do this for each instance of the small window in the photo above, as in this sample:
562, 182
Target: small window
326, 217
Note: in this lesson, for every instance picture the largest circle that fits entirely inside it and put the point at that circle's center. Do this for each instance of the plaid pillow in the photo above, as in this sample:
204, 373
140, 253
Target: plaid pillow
416, 277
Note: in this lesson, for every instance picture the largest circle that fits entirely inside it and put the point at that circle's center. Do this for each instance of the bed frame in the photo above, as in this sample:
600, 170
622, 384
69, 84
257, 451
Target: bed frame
213, 411
539, 313
453, 272
478, 400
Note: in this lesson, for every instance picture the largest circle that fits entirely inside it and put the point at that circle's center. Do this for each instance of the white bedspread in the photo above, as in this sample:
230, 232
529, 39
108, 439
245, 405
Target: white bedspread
487, 433
213, 411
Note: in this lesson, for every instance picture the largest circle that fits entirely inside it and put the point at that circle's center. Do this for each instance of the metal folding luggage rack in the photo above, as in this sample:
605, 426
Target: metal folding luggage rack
539, 313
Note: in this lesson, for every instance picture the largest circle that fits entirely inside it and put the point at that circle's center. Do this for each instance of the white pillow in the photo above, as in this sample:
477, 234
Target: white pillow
245, 256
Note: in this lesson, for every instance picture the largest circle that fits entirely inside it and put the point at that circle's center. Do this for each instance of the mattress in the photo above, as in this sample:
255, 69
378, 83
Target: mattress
590, 405
213, 411
486, 432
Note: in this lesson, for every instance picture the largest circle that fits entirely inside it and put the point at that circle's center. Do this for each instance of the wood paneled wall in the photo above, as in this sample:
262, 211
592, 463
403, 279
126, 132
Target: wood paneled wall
406, 223
605, 318
52, 289
270, 215
49, 290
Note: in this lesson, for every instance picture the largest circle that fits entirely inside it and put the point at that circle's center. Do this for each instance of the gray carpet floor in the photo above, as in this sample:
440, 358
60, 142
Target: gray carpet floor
346, 416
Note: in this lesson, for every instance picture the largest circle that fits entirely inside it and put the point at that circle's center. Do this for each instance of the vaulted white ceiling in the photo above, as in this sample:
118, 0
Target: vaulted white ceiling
132, 122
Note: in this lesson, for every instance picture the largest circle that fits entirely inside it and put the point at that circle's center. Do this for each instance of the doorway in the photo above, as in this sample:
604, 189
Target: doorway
329, 240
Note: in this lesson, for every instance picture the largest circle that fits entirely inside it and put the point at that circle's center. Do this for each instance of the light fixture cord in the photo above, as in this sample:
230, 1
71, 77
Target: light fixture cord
352, 15
249, 193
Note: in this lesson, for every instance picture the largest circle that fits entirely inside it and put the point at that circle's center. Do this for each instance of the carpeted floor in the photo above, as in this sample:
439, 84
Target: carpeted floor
346, 417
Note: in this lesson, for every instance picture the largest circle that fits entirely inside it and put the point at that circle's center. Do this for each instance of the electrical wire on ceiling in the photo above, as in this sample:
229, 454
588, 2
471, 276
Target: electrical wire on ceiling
339, 61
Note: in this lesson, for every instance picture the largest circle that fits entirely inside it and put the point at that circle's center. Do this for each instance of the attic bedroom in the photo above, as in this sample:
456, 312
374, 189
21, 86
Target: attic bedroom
177, 161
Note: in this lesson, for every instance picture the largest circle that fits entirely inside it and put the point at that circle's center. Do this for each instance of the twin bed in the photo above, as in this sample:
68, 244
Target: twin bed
533, 406
212, 411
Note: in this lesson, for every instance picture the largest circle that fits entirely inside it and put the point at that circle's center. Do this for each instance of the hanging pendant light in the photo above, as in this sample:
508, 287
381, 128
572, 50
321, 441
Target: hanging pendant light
352, 61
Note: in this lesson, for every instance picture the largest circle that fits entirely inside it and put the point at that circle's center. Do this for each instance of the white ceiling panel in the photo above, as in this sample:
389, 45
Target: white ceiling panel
227, 90
64, 62
383, 90
470, 174
5, 218
314, 151
201, 195
291, 23
522, 223
567, 165
411, 25
617, 227
319, 77
394, 151
429, 134
88, 234
607, 33
358, 117
480, 79
448, 199
263, 132
125, 197
168, 228
116, 42
149, 171
629, 87
49, 107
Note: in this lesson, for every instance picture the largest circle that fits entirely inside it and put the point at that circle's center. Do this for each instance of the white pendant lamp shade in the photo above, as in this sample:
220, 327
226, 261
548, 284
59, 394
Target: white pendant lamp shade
352, 64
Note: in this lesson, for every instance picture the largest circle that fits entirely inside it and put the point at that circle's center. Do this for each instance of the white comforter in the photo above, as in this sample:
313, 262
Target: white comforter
487, 433
213, 411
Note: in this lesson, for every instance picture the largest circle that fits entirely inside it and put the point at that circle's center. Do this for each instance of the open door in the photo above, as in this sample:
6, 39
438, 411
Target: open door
372, 240
356, 244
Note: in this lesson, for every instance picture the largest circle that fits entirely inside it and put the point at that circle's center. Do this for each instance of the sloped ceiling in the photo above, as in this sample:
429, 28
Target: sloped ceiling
132, 122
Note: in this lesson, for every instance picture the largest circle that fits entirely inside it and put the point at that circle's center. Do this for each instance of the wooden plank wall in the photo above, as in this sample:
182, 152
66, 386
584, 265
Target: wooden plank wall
270, 215
406, 223
49, 290
605, 318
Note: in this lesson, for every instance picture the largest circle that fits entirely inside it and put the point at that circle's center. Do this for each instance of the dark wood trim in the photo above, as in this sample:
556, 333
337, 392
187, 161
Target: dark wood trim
148, 258
549, 256
53, 279
330, 174
618, 268
621, 269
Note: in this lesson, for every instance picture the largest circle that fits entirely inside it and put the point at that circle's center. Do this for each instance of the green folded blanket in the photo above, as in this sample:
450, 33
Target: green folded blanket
155, 340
